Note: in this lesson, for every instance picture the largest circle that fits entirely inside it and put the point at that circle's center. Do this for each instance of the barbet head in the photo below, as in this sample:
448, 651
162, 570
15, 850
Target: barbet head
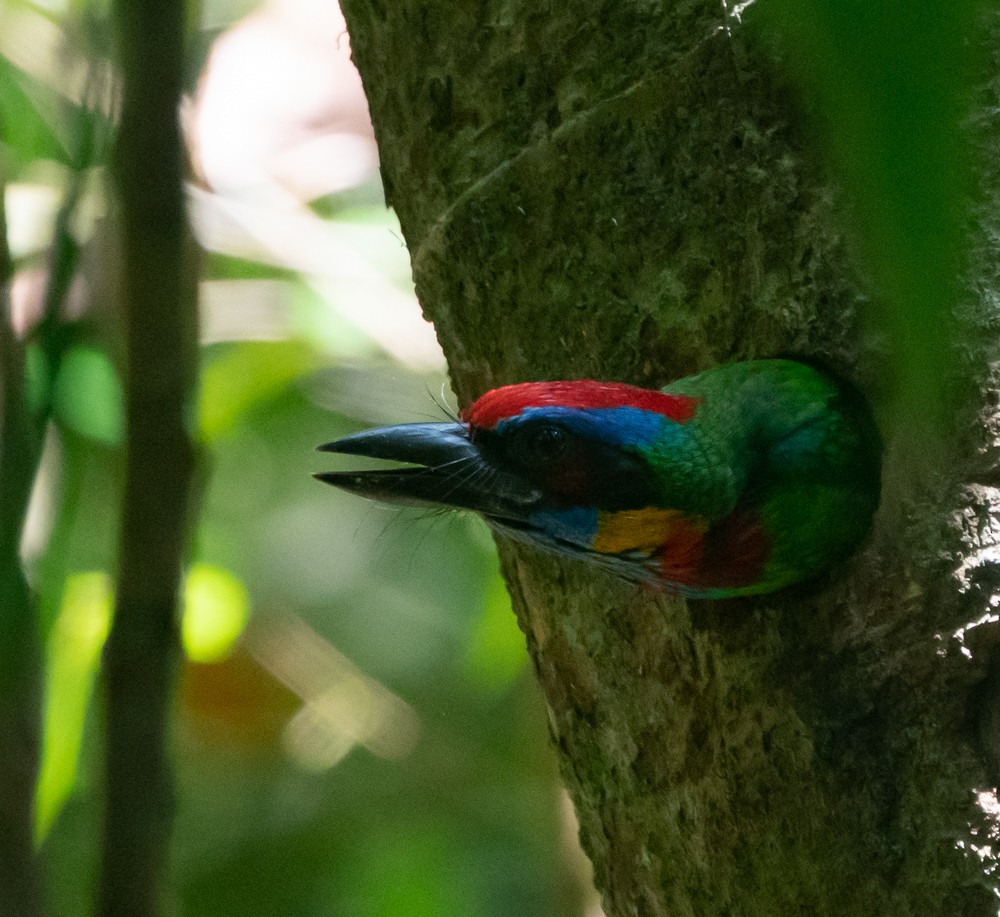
636, 480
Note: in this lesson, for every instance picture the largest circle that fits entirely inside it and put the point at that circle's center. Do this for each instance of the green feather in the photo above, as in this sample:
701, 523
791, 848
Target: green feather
790, 442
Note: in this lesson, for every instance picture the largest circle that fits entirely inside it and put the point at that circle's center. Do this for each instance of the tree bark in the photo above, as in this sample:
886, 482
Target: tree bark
616, 191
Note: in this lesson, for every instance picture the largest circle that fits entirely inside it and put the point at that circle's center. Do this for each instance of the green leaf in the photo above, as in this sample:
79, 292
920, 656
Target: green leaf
88, 396
73, 655
889, 85
30, 118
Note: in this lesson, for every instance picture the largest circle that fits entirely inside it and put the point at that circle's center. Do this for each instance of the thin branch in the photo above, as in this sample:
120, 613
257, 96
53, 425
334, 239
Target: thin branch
20, 655
22, 427
53, 333
159, 309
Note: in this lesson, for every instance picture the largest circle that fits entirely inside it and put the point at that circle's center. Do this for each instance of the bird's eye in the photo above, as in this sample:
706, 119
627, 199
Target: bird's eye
542, 443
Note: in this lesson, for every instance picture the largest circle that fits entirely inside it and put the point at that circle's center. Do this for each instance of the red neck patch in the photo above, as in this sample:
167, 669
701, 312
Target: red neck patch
736, 550
510, 400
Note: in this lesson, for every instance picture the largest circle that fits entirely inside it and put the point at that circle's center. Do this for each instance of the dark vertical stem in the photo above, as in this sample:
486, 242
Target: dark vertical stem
20, 658
159, 308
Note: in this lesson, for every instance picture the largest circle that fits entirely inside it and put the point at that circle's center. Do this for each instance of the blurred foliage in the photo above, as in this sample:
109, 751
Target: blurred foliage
31, 119
356, 730
74, 645
88, 397
889, 87
216, 610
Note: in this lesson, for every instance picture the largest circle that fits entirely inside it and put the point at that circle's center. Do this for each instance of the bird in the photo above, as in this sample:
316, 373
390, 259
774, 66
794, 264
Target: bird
738, 481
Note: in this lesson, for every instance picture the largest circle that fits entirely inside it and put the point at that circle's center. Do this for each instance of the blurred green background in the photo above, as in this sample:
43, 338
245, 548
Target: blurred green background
356, 728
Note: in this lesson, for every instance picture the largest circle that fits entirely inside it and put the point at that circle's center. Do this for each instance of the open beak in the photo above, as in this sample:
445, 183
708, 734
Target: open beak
448, 470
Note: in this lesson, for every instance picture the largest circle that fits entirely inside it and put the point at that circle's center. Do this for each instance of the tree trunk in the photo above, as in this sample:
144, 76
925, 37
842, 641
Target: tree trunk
610, 190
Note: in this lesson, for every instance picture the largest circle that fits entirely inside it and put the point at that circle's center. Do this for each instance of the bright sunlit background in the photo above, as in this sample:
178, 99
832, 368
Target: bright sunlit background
357, 732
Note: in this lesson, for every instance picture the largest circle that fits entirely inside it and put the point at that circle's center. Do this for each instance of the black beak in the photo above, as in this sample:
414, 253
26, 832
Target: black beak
452, 471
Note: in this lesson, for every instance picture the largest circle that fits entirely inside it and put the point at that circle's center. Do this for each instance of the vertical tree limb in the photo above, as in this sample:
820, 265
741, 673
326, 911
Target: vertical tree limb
160, 320
627, 191
20, 658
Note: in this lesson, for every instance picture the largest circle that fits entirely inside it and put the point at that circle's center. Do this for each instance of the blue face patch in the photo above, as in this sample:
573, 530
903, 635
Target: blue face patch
629, 427
576, 525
